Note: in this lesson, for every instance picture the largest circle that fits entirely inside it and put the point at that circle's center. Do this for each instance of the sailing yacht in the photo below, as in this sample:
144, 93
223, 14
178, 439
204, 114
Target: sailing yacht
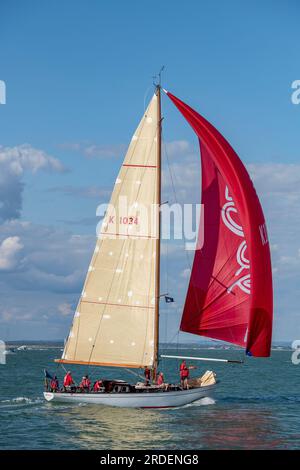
116, 322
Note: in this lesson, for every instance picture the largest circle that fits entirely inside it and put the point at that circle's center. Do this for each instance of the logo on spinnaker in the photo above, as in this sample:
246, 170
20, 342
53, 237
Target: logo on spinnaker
244, 280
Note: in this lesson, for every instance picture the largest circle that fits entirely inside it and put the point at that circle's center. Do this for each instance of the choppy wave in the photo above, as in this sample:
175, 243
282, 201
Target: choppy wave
20, 401
257, 405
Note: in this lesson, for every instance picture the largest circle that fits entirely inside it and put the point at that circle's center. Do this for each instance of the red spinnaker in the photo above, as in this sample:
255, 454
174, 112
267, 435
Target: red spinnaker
230, 293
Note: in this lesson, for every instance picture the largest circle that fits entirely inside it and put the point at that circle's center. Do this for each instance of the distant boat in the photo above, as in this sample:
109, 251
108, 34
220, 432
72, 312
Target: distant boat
22, 348
116, 322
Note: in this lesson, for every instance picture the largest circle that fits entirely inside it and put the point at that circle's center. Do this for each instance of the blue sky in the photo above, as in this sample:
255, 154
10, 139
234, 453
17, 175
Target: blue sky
77, 75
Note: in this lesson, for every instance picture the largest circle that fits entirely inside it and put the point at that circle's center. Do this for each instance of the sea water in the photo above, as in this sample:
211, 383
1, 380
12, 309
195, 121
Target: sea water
256, 405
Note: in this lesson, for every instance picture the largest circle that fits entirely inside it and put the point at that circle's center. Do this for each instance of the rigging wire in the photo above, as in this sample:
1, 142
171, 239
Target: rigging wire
135, 373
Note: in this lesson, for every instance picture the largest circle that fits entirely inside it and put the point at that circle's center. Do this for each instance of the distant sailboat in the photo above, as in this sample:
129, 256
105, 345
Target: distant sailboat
116, 323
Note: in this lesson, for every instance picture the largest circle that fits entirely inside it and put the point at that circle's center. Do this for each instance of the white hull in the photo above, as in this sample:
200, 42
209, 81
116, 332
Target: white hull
134, 400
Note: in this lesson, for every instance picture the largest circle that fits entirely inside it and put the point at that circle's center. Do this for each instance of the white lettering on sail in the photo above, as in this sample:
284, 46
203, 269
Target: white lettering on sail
263, 234
243, 282
226, 215
241, 259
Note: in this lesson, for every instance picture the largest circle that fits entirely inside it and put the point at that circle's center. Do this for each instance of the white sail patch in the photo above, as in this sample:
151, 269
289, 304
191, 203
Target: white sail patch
244, 281
227, 210
263, 234
241, 258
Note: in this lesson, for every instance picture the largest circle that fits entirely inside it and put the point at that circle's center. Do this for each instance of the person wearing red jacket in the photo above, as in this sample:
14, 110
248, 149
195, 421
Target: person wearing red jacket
85, 384
160, 380
184, 374
98, 386
68, 380
54, 384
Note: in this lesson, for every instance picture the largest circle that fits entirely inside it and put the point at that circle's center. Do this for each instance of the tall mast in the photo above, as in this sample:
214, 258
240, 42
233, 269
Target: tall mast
157, 274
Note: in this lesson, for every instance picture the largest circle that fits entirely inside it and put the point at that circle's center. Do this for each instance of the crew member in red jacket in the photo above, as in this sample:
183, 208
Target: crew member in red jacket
184, 374
68, 380
85, 384
98, 386
54, 384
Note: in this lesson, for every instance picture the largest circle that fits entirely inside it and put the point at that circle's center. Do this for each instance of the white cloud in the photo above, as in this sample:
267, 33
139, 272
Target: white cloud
65, 309
83, 191
179, 149
91, 150
176, 149
40, 282
181, 171
276, 178
25, 157
14, 314
14, 162
53, 260
9, 250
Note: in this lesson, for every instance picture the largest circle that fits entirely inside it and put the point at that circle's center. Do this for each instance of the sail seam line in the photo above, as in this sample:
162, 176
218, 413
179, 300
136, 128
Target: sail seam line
128, 235
139, 166
116, 305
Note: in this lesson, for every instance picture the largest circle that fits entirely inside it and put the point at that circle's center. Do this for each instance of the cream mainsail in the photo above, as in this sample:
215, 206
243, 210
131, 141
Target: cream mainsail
115, 322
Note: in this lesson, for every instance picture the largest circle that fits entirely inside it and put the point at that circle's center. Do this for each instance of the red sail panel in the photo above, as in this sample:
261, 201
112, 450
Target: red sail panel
230, 293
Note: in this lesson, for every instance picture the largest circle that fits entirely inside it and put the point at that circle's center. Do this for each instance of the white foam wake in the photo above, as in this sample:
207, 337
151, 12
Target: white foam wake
22, 400
202, 402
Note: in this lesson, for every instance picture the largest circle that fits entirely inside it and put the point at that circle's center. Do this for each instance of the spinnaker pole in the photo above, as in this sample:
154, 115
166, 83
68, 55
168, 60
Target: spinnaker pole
191, 358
